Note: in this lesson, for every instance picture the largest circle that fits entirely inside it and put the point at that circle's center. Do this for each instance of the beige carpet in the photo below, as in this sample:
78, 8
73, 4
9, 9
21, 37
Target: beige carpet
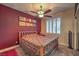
61, 51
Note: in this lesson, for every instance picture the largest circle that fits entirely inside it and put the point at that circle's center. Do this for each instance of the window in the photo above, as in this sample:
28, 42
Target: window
49, 26
58, 25
53, 25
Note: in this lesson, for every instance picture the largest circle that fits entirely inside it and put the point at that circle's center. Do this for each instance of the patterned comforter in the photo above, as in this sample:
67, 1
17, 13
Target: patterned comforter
35, 44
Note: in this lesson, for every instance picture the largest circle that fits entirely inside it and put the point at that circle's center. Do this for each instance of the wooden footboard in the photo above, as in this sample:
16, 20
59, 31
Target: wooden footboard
29, 48
33, 50
51, 47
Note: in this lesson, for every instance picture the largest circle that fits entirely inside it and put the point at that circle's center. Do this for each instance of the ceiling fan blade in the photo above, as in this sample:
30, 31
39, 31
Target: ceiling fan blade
49, 10
47, 16
33, 12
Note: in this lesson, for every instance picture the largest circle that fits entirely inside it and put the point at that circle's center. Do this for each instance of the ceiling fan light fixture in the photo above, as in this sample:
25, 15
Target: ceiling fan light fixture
41, 15
40, 12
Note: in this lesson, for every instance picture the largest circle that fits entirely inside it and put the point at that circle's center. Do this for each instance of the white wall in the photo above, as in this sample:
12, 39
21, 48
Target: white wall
67, 23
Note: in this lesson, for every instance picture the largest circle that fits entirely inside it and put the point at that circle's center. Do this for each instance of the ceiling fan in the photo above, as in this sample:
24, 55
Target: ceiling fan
41, 13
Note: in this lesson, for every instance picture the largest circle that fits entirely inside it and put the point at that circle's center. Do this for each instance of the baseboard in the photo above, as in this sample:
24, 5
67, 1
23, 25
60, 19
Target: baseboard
77, 49
70, 47
63, 44
9, 48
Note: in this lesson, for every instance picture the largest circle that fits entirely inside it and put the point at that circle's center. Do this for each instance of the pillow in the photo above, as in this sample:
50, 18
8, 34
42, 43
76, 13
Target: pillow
41, 34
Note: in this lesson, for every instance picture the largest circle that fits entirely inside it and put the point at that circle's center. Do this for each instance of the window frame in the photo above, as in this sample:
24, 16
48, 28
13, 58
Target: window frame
49, 31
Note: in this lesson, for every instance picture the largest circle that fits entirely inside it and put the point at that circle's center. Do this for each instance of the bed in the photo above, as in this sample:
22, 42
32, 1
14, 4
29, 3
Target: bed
35, 44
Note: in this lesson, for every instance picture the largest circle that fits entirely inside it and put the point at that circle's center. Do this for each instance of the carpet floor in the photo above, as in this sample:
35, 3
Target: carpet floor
61, 51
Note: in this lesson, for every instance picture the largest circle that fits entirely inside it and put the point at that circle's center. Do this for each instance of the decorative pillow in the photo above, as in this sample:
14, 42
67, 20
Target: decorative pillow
41, 34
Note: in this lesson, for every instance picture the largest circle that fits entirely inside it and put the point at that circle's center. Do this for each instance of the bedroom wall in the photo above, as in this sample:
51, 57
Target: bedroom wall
9, 26
77, 31
67, 23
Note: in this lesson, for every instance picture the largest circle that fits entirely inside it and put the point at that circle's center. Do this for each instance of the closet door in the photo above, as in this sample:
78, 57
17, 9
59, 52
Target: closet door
77, 27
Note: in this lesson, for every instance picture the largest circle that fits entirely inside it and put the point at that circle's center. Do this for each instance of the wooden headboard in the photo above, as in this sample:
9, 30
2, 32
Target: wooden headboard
22, 33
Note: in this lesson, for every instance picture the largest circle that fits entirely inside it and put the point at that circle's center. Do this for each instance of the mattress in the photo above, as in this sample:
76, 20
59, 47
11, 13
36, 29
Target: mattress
36, 44
39, 40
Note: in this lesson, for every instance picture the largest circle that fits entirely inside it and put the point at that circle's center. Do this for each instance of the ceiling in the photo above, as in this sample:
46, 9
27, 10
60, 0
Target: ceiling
27, 7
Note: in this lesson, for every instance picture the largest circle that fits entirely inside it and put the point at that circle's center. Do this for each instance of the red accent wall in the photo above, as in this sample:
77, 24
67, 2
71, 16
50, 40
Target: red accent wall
38, 28
9, 26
